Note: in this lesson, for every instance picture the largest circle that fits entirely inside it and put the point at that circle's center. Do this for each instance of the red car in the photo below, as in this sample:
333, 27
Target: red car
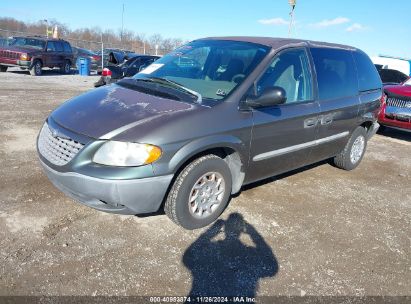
396, 107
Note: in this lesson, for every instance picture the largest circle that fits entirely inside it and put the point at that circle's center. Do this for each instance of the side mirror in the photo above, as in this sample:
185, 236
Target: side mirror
269, 97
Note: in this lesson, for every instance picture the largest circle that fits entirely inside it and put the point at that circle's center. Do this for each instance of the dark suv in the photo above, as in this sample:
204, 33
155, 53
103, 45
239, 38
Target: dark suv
185, 137
34, 53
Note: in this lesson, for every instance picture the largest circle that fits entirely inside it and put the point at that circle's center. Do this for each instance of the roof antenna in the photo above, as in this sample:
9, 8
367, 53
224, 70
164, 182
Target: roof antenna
292, 4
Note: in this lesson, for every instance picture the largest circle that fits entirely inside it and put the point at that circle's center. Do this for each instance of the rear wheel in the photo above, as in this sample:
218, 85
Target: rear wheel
354, 150
66, 67
3, 68
36, 68
200, 193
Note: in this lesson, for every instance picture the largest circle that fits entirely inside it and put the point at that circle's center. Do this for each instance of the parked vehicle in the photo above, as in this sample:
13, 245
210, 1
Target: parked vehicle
4, 41
390, 76
95, 60
35, 53
190, 136
396, 107
113, 73
395, 63
115, 56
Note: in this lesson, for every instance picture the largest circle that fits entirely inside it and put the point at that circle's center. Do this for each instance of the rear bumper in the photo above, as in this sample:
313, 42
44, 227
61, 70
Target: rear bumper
136, 196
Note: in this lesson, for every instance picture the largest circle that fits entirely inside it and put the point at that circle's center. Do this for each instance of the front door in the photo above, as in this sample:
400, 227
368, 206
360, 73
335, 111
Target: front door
283, 135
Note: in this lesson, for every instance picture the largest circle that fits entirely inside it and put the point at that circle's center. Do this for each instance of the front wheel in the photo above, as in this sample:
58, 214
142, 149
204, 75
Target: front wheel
200, 193
36, 68
354, 150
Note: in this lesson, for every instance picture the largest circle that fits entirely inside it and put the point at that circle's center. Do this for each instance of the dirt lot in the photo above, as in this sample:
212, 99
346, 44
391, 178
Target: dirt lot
320, 231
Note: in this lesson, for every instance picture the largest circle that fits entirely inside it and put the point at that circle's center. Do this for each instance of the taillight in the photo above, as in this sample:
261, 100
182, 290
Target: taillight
383, 99
383, 104
95, 57
106, 72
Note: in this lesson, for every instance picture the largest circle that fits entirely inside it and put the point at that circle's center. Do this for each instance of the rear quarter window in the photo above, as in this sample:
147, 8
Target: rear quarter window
59, 46
368, 77
67, 47
336, 75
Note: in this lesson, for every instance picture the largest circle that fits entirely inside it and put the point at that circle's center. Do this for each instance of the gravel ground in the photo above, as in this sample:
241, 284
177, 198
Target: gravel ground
316, 231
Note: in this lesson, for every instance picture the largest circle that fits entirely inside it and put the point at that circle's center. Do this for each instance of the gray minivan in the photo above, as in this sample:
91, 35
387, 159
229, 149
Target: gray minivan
192, 128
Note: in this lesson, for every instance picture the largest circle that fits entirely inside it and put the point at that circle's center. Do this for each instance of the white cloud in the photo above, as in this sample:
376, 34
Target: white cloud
355, 27
273, 21
331, 22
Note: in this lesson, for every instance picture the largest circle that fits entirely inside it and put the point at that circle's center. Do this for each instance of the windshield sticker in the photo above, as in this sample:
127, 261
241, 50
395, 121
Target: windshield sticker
151, 68
221, 92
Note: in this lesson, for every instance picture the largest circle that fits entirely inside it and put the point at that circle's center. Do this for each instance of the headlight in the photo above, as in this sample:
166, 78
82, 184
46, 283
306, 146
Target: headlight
125, 154
24, 57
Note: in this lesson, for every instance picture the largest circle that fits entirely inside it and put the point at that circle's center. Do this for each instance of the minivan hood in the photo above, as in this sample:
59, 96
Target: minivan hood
107, 111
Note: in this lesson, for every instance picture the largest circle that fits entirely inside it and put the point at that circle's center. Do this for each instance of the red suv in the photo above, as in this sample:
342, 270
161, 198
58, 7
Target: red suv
396, 106
34, 53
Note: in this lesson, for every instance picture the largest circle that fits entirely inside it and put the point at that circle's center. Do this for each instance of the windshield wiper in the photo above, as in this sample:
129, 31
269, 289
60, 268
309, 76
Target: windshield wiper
175, 85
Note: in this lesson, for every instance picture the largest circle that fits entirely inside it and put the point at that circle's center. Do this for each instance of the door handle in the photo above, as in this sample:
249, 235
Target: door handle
310, 122
327, 119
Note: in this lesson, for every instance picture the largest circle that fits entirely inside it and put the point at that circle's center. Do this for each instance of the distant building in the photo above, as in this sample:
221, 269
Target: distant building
388, 62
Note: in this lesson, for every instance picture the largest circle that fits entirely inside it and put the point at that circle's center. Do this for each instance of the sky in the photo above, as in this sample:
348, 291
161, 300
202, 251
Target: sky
377, 27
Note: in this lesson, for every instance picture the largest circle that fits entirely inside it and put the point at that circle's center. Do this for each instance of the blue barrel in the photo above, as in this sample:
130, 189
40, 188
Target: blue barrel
83, 66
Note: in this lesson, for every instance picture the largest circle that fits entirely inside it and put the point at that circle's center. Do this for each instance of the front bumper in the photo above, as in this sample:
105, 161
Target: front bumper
399, 118
135, 196
15, 62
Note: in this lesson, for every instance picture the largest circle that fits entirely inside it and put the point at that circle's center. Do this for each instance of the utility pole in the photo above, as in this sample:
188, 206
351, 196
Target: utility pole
292, 4
122, 26
47, 27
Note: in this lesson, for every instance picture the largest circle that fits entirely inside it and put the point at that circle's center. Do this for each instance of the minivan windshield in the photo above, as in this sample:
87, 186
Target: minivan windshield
207, 69
28, 42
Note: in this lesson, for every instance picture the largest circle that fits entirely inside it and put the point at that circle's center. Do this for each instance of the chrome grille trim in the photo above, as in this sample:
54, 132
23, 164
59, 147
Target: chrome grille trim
57, 150
398, 103
9, 54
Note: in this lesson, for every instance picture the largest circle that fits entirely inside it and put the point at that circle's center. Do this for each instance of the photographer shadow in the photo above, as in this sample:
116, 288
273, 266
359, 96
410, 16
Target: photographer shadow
229, 259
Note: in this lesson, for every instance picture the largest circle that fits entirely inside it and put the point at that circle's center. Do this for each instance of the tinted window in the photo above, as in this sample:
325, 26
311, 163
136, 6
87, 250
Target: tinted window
368, 77
59, 46
50, 46
67, 47
28, 42
336, 73
289, 70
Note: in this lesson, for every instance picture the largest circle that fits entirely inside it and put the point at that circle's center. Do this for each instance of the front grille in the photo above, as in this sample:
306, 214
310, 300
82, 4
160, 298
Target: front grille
57, 150
398, 103
9, 54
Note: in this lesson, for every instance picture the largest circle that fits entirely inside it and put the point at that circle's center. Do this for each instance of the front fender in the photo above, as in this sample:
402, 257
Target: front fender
174, 158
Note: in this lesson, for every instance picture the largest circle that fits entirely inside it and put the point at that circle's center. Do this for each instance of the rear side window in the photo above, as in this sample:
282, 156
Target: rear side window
59, 46
51, 47
67, 47
336, 73
368, 78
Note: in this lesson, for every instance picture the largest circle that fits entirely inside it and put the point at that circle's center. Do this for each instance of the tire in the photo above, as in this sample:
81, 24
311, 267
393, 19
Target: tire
199, 173
349, 159
35, 69
3, 68
65, 68
382, 129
